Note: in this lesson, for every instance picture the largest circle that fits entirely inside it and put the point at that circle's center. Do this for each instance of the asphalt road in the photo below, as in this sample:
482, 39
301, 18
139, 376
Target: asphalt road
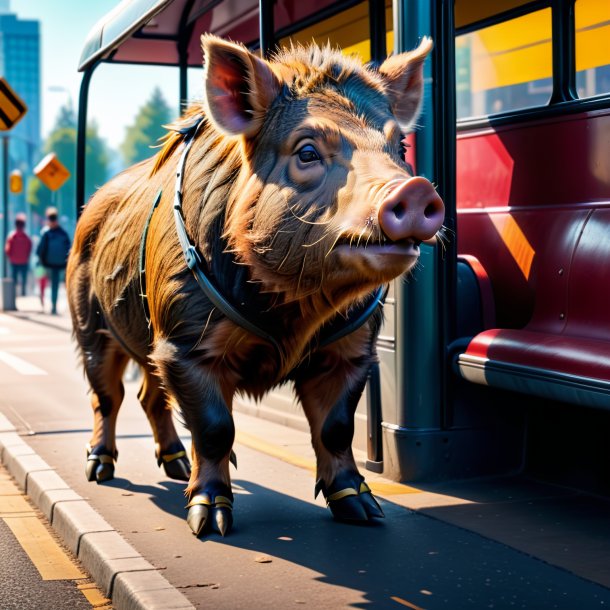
285, 550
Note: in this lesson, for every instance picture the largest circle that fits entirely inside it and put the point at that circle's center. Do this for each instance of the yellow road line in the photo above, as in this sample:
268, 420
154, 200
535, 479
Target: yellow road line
44, 552
8, 488
9, 505
93, 595
381, 488
51, 561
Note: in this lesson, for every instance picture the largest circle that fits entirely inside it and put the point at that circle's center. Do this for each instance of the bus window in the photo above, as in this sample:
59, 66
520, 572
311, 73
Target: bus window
349, 30
504, 67
592, 47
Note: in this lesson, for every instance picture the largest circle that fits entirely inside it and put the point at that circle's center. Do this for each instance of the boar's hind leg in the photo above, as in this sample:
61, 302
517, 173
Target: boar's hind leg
169, 449
104, 368
330, 410
206, 410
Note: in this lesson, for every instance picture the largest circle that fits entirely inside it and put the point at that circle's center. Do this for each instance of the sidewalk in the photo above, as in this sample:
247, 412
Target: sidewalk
30, 308
118, 569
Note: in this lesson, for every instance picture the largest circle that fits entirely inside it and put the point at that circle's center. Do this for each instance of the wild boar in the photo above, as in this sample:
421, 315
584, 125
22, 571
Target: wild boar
252, 250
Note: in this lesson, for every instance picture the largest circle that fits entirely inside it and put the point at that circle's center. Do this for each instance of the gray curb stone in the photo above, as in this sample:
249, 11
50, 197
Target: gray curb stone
73, 520
5, 424
20, 466
108, 554
117, 568
146, 590
39, 482
11, 440
51, 498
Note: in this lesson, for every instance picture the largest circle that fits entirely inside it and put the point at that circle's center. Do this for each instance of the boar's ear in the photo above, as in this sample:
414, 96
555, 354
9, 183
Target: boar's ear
238, 86
404, 77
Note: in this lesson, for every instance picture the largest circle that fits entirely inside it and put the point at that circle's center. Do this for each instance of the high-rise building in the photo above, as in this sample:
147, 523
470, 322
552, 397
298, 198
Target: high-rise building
20, 66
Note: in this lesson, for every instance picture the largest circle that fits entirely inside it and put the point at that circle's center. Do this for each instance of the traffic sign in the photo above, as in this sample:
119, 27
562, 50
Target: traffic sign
12, 107
52, 172
15, 183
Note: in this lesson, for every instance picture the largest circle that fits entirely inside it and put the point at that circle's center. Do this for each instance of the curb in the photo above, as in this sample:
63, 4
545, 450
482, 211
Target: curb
124, 576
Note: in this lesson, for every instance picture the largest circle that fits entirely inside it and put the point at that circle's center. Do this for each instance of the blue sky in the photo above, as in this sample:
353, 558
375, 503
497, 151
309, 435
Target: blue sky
116, 92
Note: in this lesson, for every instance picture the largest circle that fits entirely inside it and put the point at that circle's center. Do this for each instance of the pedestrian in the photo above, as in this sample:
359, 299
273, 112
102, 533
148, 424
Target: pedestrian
18, 248
53, 252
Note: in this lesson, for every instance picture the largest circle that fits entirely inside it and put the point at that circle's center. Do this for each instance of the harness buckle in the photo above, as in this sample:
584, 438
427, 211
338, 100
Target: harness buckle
192, 257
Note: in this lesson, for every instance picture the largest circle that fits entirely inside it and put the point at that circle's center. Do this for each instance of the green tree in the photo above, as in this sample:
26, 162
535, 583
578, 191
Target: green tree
97, 160
146, 129
62, 142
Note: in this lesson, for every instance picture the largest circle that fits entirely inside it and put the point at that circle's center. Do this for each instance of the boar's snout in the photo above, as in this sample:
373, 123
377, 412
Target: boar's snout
413, 210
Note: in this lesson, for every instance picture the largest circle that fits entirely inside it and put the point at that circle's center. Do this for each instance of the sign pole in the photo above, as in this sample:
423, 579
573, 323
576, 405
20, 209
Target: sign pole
12, 110
8, 288
5, 140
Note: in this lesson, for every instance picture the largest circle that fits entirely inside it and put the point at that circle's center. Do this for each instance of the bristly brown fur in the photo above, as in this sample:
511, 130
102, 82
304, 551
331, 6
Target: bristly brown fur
174, 137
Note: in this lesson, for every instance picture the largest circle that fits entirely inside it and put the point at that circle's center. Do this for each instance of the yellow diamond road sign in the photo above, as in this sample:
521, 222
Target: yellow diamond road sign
51, 172
12, 107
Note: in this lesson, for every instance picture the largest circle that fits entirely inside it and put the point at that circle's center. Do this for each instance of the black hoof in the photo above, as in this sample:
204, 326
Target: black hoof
211, 510
176, 465
350, 499
100, 466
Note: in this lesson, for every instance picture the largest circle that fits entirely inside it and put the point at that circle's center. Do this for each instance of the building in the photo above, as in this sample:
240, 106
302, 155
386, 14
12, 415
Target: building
20, 66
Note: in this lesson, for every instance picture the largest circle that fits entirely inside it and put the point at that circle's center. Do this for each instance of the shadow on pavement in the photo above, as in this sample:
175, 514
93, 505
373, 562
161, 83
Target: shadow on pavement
406, 560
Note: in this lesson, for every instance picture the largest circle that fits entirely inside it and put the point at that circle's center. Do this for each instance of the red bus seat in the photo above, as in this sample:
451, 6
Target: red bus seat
563, 352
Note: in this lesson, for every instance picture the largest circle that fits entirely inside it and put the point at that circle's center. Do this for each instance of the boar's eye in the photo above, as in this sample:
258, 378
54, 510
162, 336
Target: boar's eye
308, 154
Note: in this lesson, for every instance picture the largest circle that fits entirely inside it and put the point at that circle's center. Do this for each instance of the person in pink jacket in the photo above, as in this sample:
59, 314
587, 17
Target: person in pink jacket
18, 248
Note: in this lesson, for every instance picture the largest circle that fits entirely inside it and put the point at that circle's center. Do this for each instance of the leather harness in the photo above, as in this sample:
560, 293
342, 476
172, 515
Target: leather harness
338, 328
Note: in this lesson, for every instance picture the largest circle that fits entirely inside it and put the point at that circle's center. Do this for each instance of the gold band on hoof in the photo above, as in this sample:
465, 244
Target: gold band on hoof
100, 457
196, 500
219, 502
170, 457
224, 502
348, 491
343, 493
103, 459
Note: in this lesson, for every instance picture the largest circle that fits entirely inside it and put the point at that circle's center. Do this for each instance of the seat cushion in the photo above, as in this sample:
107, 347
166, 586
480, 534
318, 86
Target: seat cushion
570, 369
571, 355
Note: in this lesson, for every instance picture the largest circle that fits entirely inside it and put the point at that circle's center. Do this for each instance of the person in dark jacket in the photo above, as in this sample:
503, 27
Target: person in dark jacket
53, 252
18, 248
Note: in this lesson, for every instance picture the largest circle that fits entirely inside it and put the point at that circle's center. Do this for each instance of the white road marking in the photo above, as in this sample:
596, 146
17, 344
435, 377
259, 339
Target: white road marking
4, 330
42, 349
20, 365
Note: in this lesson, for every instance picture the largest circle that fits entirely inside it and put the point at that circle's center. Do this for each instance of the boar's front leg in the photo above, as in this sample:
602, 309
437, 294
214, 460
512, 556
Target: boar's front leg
205, 408
329, 388
169, 449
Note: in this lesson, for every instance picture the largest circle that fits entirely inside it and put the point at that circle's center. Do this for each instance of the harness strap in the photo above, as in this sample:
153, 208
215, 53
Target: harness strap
376, 299
142, 259
197, 264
